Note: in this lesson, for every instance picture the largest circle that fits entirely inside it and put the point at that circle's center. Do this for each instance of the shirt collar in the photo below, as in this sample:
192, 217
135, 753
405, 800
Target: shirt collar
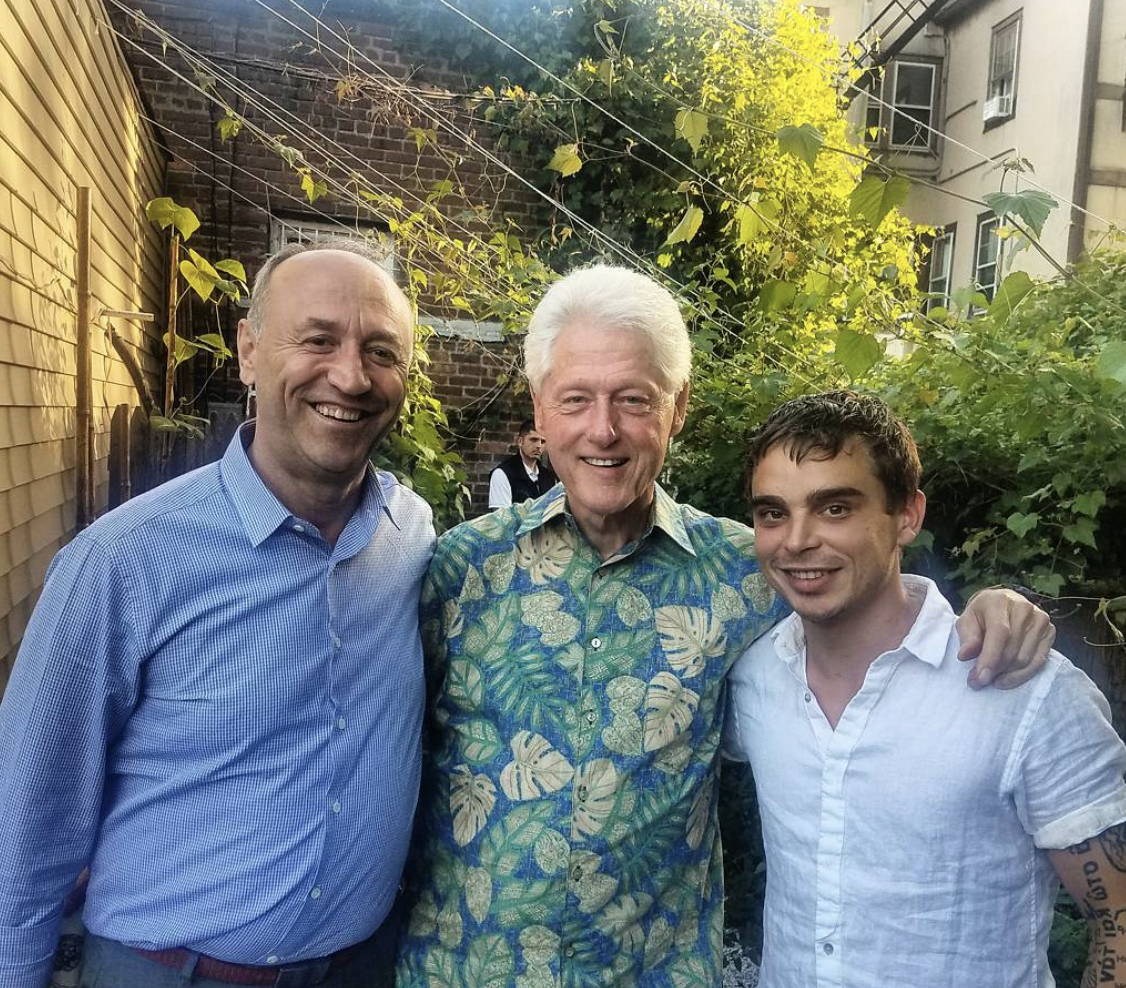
666, 515
926, 641
260, 512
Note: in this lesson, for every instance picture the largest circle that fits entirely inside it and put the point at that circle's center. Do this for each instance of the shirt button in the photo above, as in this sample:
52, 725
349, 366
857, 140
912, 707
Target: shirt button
809, 697
570, 951
272, 959
577, 872
316, 894
336, 642
340, 722
336, 807
590, 716
828, 948
596, 643
299, 528
582, 794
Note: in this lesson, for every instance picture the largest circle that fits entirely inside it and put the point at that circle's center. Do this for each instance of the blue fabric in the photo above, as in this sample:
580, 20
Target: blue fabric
111, 965
220, 712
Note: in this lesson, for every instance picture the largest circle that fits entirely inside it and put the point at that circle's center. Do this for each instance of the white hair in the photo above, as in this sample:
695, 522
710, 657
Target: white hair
614, 299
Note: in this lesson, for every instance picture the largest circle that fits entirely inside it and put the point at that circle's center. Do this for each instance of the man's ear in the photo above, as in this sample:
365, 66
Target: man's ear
911, 518
680, 409
247, 347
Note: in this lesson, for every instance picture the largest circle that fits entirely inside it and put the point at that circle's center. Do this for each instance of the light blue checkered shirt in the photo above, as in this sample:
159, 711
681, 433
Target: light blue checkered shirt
220, 713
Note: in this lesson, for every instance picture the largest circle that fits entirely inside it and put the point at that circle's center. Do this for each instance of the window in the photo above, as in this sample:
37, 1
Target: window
987, 254
911, 89
288, 231
1000, 99
939, 269
914, 103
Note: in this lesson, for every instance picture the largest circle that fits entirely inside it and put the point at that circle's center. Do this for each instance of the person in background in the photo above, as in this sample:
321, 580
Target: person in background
218, 699
522, 475
915, 831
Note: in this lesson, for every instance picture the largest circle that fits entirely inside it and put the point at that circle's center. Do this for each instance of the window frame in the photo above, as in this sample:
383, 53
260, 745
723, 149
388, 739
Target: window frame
948, 236
1015, 23
931, 109
289, 229
885, 116
985, 220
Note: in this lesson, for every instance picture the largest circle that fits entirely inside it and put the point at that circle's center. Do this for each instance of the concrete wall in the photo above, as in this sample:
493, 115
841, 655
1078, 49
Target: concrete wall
67, 118
1106, 194
1045, 128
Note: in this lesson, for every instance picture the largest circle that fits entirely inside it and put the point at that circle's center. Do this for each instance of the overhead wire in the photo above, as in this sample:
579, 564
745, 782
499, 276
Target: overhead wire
623, 251
348, 194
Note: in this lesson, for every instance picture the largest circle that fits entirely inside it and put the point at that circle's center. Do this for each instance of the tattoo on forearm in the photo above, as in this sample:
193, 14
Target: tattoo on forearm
1109, 931
1113, 842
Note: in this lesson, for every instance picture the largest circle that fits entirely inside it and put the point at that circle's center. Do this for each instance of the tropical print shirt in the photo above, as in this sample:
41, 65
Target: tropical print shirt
567, 833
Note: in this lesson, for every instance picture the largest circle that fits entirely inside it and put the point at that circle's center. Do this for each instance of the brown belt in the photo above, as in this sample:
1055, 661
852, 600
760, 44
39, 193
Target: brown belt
297, 975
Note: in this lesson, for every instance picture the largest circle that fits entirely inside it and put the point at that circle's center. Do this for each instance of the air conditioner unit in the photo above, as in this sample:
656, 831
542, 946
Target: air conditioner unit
997, 108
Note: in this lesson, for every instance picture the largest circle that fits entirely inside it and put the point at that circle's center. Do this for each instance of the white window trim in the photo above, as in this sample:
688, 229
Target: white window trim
982, 223
1014, 23
286, 231
946, 237
931, 108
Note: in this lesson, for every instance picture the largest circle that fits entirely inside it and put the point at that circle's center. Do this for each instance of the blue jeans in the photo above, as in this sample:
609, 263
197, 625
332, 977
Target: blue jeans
109, 964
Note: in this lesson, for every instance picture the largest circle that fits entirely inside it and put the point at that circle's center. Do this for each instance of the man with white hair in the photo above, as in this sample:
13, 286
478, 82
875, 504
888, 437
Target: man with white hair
577, 647
217, 703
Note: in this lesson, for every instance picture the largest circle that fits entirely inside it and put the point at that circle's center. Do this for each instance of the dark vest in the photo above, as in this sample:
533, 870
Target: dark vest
524, 488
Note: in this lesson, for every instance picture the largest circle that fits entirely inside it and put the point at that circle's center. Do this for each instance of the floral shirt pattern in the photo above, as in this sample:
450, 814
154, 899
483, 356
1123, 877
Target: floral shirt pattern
567, 834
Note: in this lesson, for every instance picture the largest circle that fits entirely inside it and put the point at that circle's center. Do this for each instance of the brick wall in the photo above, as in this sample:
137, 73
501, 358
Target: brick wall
236, 186
485, 399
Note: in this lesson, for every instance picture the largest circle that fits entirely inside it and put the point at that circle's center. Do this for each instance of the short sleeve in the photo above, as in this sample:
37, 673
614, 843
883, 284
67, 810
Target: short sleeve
1067, 772
500, 490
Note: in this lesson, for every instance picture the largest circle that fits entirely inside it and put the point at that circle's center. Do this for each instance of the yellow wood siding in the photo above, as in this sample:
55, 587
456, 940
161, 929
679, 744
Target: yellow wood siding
69, 116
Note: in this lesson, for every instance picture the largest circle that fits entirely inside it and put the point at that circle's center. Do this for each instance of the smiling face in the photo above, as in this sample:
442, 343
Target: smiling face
608, 420
329, 367
824, 537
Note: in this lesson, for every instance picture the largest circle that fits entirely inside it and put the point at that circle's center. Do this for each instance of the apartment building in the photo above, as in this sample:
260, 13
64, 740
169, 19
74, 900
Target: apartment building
961, 87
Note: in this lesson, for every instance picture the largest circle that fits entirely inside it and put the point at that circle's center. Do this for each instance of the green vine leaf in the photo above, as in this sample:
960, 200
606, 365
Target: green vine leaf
874, 198
229, 126
1021, 524
1030, 205
1112, 361
313, 188
166, 213
802, 142
566, 160
687, 227
856, 352
1089, 502
692, 125
1015, 287
755, 217
777, 295
1081, 531
233, 268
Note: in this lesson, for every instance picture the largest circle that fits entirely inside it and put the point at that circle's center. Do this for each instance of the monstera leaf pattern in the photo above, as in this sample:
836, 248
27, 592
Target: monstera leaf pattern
536, 768
567, 830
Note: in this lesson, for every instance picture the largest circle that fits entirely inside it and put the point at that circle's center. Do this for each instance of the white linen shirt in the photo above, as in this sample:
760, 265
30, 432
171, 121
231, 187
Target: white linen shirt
908, 846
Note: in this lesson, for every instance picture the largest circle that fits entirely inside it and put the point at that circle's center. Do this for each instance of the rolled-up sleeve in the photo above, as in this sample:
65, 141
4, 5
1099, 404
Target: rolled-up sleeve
1068, 766
71, 691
